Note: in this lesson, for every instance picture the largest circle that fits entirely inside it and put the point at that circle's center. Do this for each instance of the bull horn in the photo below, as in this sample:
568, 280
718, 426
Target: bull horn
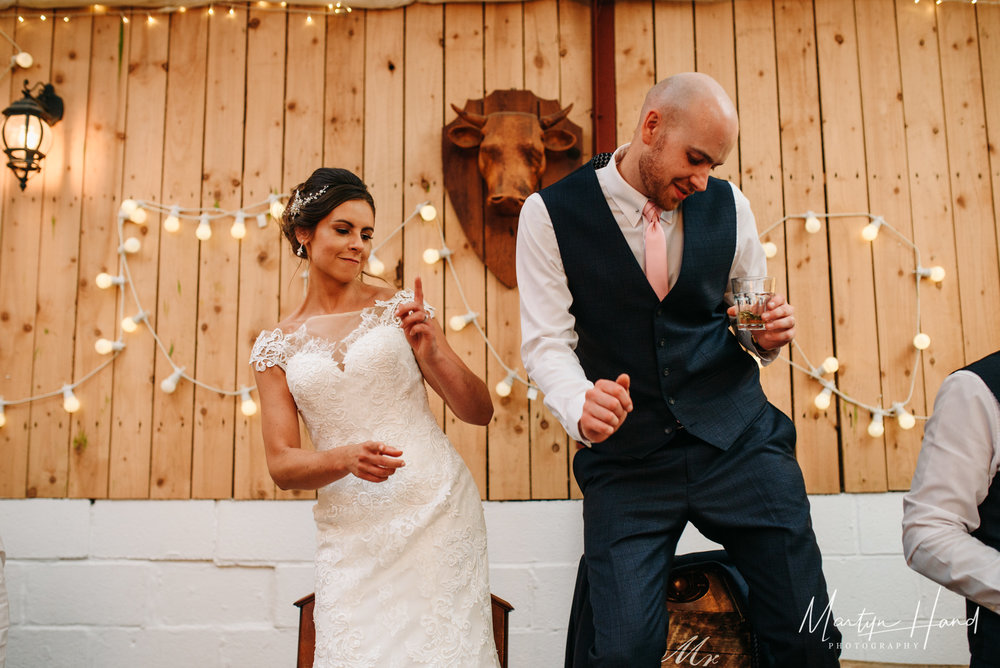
548, 121
470, 118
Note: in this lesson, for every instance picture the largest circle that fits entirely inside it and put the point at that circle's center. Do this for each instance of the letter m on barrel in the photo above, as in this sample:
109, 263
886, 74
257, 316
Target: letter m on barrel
499, 150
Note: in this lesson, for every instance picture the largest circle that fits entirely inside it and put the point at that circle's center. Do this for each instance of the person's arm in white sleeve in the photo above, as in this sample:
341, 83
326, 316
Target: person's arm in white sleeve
958, 460
748, 261
548, 337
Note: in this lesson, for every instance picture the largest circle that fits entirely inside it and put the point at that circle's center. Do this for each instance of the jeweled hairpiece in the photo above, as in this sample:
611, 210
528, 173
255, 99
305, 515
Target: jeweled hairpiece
298, 201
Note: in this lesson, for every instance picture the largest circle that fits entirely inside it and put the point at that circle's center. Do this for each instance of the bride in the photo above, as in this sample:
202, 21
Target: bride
401, 570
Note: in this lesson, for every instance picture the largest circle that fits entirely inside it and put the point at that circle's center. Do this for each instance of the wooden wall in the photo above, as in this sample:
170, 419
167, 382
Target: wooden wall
846, 107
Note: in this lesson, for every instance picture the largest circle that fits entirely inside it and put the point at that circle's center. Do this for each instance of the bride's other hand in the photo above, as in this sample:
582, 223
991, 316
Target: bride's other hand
417, 324
373, 461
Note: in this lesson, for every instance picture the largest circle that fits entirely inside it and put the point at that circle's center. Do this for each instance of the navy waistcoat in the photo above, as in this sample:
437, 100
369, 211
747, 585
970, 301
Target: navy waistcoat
988, 532
685, 365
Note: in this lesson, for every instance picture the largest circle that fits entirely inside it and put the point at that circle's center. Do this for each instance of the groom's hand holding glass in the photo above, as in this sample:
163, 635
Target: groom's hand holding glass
779, 323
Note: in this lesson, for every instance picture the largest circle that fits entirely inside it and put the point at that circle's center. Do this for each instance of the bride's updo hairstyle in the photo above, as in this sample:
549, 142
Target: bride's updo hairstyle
313, 200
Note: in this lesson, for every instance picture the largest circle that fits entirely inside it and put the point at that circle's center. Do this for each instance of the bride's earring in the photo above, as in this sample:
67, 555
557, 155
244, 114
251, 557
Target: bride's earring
301, 251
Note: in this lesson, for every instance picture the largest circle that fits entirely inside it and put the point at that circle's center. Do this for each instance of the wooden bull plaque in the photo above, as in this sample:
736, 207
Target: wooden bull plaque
491, 162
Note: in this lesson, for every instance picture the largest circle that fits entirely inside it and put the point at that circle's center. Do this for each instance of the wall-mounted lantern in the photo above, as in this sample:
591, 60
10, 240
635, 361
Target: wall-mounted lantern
27, 132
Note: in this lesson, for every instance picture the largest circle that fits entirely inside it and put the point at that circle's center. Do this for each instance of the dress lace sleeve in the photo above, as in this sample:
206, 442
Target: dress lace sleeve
268, 350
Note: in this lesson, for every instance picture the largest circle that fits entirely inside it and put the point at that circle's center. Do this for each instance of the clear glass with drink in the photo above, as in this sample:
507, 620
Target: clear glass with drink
751, 295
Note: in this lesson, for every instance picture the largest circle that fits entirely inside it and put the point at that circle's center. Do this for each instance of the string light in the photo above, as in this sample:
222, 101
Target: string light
428, 212
870, 231
204, 230
169, 383
131, 323
904, 418
434, 255
770, 249
105, 281
812, 223
124, 19
3, 413
830, 365
458, 322
276, 207
131, 245
505, 386
823, 399
128, 206
24, 60
935, 273
876, 427
106, 347
70, 403
139, 216
239, 228
247, 405
172, 223
375, 265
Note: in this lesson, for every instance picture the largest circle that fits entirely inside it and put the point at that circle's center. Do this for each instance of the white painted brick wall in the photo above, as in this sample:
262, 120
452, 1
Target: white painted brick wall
204, 583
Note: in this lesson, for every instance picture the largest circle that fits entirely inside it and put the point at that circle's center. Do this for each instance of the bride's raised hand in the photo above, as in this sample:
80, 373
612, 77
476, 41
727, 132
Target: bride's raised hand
417, 325
373, 461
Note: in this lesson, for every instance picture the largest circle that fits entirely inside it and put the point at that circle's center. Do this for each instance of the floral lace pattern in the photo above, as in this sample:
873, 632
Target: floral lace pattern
401, 567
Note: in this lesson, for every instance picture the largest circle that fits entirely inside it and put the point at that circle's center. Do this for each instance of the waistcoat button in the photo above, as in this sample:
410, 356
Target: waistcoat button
666, 371
670, 401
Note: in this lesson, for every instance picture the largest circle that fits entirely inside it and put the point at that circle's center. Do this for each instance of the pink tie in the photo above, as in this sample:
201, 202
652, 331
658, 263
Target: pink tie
656, 251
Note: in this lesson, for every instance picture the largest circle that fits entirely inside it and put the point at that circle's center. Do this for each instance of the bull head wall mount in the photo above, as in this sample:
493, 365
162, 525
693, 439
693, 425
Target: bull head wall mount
500, 149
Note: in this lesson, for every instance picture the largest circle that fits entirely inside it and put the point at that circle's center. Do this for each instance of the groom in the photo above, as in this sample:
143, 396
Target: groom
623, 268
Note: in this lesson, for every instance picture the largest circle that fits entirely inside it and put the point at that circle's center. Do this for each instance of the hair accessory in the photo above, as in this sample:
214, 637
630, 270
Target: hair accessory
298, 201
301, 250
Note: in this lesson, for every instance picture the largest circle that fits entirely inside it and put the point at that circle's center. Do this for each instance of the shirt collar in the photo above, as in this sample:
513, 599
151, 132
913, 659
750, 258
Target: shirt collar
629, 200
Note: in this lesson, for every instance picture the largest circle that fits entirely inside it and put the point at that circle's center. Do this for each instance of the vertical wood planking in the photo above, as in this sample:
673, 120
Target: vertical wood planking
218, 276
261, 249
888, 196
673, 30
863, 458
548, 460
55, 319
463, 80
177, 305
807, 254
422, 121
133, 390
97, 312
715, 55
634, 63
19, 274
576, 87
969, 160
344, 123
508, 455
930, 193
304, 79
988, 20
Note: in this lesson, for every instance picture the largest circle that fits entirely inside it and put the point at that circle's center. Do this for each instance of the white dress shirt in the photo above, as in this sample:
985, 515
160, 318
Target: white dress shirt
958, 461
548, 335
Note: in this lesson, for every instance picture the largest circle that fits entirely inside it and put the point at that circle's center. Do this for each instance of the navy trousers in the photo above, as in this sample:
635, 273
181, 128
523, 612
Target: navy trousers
750, 498
984, 637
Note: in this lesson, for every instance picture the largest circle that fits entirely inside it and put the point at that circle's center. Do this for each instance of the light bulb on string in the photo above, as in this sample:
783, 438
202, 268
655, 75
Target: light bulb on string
433, 255
127, 208
812, 223
204, 230
505, 386
830, 365
876, 427
904, 418
375, 265
770, 249
131, 323
276, 208
3, 414
935, 273
169, 383
172, 222
870, 231
70, 403
247, 405
24, 60
458, 322
106, 346
823, 399
428, 212
139, 216
131, 245
105, 280
921, 341
239, 228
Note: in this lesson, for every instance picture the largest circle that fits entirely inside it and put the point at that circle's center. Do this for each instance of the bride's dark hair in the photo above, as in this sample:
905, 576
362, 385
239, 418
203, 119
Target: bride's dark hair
314, 199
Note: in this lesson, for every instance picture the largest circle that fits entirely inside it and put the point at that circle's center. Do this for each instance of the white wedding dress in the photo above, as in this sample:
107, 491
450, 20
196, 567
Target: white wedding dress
401, 569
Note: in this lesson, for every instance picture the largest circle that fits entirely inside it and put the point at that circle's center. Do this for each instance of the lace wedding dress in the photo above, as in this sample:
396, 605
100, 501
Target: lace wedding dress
401, 570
